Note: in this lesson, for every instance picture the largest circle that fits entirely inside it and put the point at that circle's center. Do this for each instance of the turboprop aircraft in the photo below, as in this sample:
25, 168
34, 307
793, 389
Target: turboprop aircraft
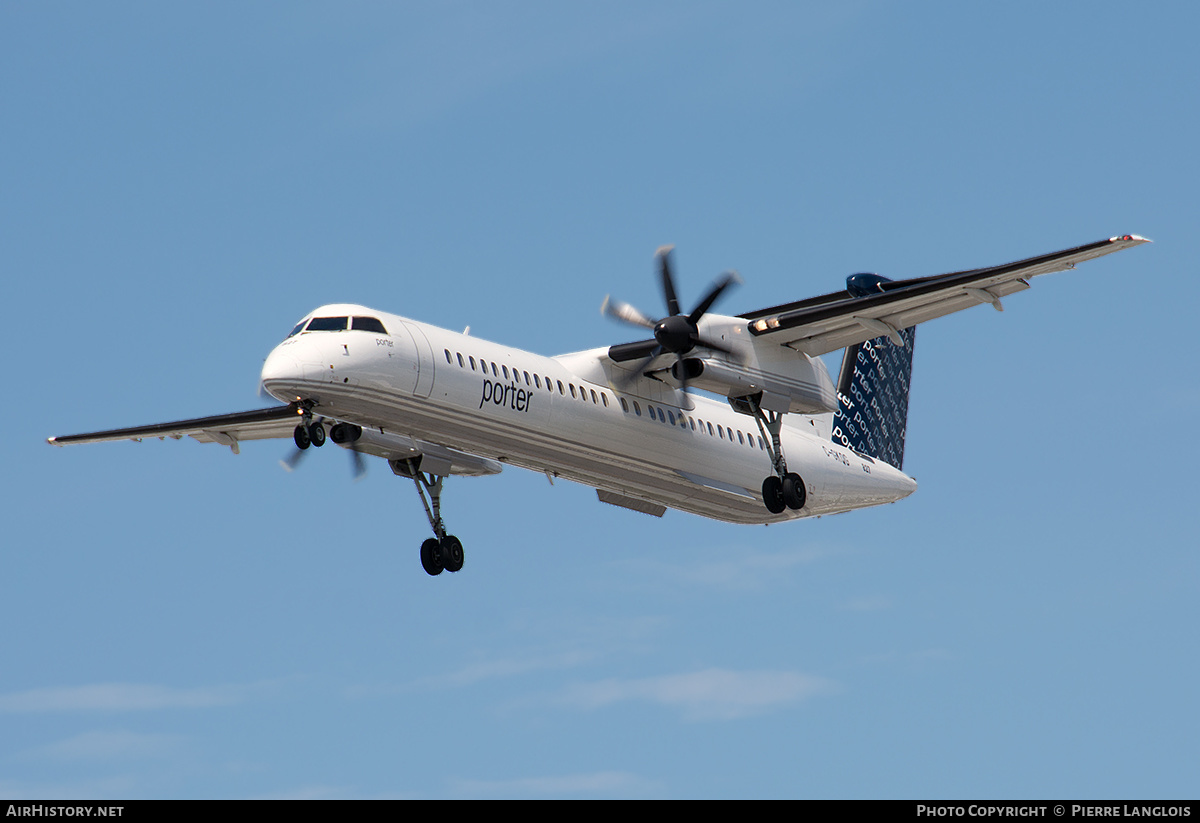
783, 442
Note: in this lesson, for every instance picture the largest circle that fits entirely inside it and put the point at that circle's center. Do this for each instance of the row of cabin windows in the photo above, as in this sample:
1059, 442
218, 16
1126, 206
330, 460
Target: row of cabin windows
536, 380
670, 418
744, 438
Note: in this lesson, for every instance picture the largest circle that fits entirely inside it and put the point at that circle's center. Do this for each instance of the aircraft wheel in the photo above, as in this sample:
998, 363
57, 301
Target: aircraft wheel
316, 433
300, 435
452, 553
772, 491
431, 556
794, 495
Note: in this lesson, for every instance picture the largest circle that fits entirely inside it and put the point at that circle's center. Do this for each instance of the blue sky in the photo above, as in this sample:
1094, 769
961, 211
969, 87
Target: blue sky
181, 183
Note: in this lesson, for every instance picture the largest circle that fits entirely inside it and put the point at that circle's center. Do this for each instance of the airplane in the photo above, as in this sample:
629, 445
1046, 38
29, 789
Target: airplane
783, 442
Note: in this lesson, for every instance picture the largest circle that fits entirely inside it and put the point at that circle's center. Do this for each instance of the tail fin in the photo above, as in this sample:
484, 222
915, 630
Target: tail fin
873, 388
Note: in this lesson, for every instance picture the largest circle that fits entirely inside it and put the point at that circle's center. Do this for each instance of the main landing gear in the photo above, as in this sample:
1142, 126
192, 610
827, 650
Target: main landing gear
443, 551
783, 489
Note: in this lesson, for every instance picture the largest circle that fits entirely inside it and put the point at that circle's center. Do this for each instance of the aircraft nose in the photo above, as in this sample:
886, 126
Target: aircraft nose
278, 371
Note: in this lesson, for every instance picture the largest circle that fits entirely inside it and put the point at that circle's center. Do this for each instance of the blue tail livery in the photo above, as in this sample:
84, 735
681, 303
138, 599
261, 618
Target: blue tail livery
873, 388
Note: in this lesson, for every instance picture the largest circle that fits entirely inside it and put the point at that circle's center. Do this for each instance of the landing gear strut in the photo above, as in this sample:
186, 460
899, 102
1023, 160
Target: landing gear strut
783, 489
444, 551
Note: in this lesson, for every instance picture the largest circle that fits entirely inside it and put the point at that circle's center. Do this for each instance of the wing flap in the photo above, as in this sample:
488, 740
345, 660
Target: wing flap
851, 331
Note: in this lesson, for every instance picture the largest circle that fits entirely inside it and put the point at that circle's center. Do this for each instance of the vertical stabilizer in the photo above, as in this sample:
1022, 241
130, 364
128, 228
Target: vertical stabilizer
873, 389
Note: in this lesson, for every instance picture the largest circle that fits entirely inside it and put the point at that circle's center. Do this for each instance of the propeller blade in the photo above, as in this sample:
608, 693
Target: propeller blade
626, 313
624, 352
358, 465
293, 460
668, 282
641, 367
723, 282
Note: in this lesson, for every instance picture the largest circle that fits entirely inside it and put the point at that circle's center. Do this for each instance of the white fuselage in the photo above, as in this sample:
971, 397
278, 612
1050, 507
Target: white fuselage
566, 416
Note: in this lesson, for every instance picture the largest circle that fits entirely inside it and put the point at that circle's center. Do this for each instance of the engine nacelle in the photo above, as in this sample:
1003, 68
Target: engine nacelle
805, 388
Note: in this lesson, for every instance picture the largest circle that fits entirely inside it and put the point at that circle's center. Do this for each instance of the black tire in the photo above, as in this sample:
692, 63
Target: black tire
316, 433
431, 557
772, 492
794, 493
300, 435
452, 553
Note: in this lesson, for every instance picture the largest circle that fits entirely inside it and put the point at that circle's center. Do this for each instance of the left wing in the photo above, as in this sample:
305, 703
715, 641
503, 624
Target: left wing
226, 429
834, 321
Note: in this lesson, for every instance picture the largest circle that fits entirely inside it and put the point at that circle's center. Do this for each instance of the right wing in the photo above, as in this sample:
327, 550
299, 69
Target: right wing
280, 422
833, 321
226, 429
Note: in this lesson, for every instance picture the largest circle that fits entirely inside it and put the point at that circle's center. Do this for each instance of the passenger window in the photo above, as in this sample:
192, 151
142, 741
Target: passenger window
740, 440
637, 409
593, 391
448, 360
460, 360
604, 399
472, 359
495, 371
710, 431
527, 383
671, 415
561, 390
572, 385
624, 406
537, 381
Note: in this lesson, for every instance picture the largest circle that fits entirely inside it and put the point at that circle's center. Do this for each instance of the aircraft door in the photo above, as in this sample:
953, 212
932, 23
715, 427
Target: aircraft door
424, 362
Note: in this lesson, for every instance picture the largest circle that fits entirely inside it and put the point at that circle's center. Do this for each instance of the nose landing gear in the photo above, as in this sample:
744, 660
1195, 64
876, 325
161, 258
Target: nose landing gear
310, 434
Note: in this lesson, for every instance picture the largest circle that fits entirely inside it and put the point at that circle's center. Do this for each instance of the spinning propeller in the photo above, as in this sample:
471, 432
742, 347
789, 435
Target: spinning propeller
676, 333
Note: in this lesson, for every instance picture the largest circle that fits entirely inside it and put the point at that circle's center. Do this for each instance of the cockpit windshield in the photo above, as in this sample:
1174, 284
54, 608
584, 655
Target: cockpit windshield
368, 324
371, 324
327, 324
